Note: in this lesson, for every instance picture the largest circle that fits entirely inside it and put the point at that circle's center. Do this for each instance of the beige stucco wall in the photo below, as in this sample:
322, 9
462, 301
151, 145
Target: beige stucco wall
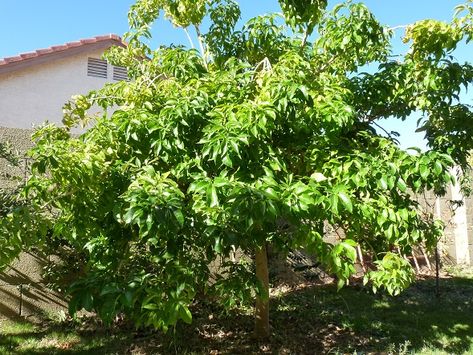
29, 96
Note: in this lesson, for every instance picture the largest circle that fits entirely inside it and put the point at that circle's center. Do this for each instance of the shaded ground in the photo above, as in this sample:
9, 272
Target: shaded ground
307, 319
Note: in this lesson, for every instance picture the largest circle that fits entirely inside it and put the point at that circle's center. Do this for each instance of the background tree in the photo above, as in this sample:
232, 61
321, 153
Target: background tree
260, 138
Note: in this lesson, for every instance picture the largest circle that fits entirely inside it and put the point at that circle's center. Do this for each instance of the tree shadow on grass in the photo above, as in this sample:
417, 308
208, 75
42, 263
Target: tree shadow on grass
308, 319
61, 339
316, 319
355, 319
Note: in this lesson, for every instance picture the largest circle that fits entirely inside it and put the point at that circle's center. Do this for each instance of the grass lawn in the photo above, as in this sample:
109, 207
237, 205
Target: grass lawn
307, 319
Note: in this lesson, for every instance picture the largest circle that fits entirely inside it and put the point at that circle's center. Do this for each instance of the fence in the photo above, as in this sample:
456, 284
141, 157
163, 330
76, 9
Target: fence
23, 292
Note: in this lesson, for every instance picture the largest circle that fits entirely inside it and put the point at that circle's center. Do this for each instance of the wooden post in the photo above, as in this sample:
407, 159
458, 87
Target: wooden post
262, 302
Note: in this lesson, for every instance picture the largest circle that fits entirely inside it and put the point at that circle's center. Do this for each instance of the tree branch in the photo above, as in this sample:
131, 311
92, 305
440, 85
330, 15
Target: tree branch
201, 44
304, 38
394, 28
384, 130
189, 37
324, 67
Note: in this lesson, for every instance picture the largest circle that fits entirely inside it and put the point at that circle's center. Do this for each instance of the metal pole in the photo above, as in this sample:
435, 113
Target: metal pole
21, 298
437, 254
437, 272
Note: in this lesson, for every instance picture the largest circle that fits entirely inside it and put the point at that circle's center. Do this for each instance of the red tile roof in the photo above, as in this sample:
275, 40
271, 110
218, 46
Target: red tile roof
60, 49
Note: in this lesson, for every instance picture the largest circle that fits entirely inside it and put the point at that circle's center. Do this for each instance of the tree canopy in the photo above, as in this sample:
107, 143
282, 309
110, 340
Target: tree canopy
263, 136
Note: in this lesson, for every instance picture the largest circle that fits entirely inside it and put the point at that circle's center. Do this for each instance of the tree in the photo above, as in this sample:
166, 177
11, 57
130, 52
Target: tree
18, 226
260, 138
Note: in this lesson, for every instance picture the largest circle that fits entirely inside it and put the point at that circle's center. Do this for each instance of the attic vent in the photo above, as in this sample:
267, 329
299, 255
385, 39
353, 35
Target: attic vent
120, 73
97, 67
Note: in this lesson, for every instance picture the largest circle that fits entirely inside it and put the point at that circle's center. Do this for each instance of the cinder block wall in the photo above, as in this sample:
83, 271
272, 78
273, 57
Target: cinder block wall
469, 216
22, 289
23, 292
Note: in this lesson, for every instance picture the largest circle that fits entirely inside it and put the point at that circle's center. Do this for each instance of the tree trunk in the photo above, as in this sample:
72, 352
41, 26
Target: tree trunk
262, 301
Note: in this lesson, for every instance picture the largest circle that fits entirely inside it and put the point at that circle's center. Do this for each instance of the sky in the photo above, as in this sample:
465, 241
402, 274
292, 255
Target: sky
27, 25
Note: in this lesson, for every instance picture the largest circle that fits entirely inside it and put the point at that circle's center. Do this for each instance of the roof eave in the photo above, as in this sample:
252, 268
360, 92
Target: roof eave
53, 53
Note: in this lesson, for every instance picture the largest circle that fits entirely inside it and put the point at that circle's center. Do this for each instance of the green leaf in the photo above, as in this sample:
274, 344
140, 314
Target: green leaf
227, 161
424, 171
403, 213
218, 247
334, 204
150, 306
179, 217
345, 201
148, 105
382, 183
438, 168
212, 196
318, 177
185, 314
401, 185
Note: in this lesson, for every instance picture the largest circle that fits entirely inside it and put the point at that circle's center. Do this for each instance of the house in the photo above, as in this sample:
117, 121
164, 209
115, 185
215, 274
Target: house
33, 88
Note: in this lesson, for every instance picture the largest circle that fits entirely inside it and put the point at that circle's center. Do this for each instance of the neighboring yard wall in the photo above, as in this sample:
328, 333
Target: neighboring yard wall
24, 292
22, 289
469, 227
457, 244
